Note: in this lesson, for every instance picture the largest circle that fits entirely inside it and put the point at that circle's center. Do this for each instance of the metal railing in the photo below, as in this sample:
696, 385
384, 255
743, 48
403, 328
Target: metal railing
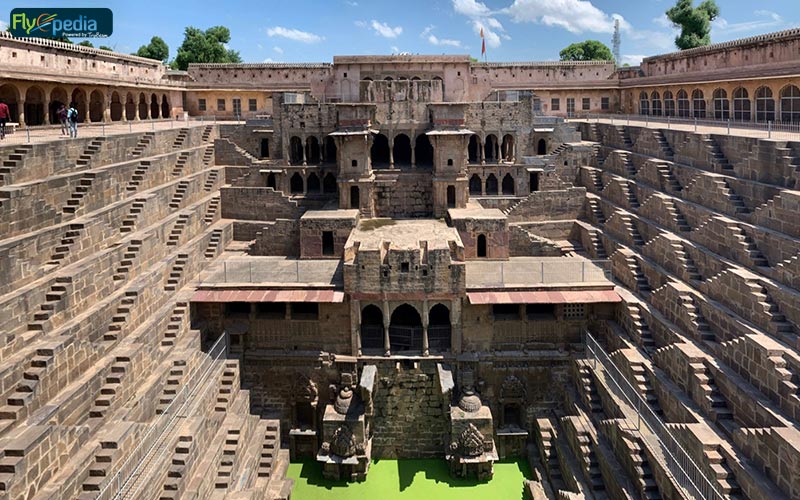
520, 272
272, 271
129, 477
695, 482
769, 129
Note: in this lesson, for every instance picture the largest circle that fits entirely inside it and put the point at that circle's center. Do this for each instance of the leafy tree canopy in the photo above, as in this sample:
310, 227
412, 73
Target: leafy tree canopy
694, 22
105, 47
157, 49
590, 50
205, 47
86, 43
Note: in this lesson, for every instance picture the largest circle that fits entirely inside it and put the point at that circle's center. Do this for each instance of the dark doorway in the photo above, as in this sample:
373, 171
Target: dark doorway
312, 151
296, 183
154, 108
312, 184
330, 150
534, 181
405, 330
491, 185
439, 328
164, 107
473, 149
329, 184
380, 151
271, 181
508, 147
512, 416
265, 148
541, 147
491, 149
475, 185
295, 151
355, 197
451, 197
508, 184
305, 415
327, 242
371, 328
481, 245
423, 151
402, 150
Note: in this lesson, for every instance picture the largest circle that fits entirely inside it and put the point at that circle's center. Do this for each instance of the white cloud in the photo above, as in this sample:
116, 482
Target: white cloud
632, 59
427, 33
576, 16
294, 34
769, 21
663, 21
3, 25
351, 4
395, 49
471, 8
277, 49
492, 38
385, 30
269, 60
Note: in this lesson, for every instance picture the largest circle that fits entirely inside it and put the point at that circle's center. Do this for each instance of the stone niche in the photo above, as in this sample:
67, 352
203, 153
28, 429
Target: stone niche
484, 232
471, 452
323, 233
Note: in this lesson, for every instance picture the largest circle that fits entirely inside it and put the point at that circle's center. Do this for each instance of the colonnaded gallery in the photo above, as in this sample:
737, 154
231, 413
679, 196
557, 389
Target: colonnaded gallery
242, 266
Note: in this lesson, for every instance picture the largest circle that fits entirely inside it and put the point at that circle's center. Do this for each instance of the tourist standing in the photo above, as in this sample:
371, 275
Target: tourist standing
62, 117
72, 118
5, 114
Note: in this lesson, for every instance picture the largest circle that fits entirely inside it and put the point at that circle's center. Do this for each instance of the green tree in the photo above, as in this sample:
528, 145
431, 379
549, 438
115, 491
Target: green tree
157, 49
205, 47
106, 47
694, 22
86, 43
590, 50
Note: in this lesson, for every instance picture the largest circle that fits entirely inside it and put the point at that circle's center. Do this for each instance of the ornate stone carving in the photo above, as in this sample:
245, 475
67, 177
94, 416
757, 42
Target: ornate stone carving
343, 443
469, 402
513, 388
344, 400
471, 442
304, 389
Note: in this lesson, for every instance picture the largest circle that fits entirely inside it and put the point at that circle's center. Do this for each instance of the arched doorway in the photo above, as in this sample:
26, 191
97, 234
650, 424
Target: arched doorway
655, 103
96, 102
330, 150
541, 147
491, 148
405, 330
153, 106
116, 107
439, 328
264, 150
10, 95
372, 337
765, 105
722, 107
475, 185
508, 185
313, 184
379, 154
312, 151
472, 149
296, 183
295, 151
644, 104
698, 104
164, 106
669, 104
423, 151
355, 197
508, 147
491, 185
790, 104
402, 150
451, 197
79, 99
130, 107
142, 106
741, 105
34, 106
684, 109
271, 182
329, 184
481, 244
58, 98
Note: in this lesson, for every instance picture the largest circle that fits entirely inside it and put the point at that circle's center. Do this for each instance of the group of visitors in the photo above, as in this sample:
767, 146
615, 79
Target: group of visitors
67, 116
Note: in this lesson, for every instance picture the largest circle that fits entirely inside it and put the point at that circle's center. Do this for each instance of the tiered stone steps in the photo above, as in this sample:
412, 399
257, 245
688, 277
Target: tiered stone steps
176, 273
144, 143
54, 301
211, 211
67, 243
129, 222
109, 390
85, 159
180, 193
84, 185
138, 176
120, 319
177, 230
129, 258
180, 163
12, 162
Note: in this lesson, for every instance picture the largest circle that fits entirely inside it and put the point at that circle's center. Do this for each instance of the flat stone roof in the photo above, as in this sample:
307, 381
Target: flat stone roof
272, 272
331, 214
476, 213
403, 234
536, 272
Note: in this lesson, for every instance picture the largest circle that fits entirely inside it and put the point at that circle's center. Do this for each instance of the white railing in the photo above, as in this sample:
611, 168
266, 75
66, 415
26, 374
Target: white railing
694, 481
129, 477
768, 129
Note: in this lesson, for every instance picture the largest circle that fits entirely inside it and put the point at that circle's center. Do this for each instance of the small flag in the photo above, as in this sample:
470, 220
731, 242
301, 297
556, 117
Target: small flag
481, 31
483, 47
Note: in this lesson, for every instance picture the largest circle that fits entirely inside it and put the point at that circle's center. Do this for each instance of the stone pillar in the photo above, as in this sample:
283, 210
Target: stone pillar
305, 146
387, 347
21, 113
355, 315
413, 141
305, 179
321, 143
483, 185
425, 349
481, 151
391, 154
455, 325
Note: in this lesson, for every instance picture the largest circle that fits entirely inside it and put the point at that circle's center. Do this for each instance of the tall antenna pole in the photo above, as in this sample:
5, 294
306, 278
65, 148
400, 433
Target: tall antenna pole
616, 41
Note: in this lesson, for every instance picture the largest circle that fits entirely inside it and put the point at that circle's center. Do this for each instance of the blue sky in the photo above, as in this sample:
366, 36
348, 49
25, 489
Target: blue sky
515, 30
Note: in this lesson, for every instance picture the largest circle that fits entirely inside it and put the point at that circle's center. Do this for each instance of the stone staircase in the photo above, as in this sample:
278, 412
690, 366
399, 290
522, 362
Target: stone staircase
180, 194
675, 214
644, 477
748, 246
685, 261
128, 259
67, 243
723, 474
54, 300
211, 180
14, 160
129, 222
624, 136
630, 227
176, 272
696, 318
109, 390
666, 149
83, 187
143, 144
85, 159
778, 323
207, 132
177, 230
17, 402
211, 210
597, 244
120, 319
597, 211
138, 176
213, 244
669, 181
718, 406
717, 158
180, 140
640, 328
734, 199
173, 384
226, 389
589, 390
208, 156
177, 170
175, 324
269, 449
628, 190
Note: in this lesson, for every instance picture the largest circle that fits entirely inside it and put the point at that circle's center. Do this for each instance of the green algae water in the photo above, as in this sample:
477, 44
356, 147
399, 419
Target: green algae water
409, 479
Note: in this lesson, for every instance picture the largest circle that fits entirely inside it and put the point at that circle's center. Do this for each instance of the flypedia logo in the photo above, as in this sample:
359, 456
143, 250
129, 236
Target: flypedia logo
57, 23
